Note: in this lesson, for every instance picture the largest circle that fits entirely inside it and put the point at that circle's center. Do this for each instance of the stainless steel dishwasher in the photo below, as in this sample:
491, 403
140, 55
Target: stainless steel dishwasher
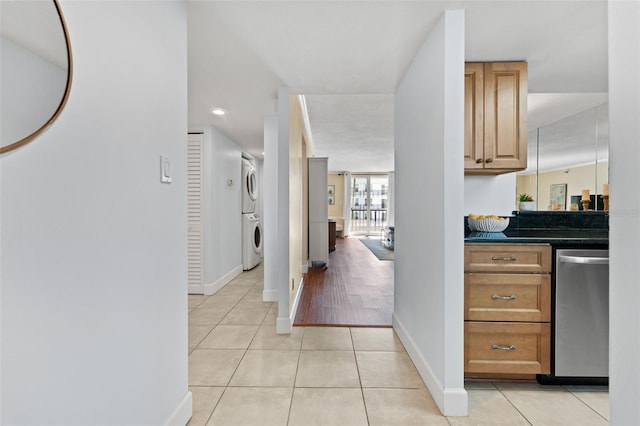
582, 313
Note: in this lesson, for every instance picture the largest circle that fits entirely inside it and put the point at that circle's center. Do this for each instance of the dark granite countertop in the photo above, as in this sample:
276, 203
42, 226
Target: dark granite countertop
580, 236
549, 227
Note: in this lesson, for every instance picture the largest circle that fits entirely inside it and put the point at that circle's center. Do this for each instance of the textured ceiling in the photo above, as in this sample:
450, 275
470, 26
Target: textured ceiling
347, 57
354, 131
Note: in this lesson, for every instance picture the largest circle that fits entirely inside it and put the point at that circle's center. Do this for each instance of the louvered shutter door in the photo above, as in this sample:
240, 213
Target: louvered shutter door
194, 210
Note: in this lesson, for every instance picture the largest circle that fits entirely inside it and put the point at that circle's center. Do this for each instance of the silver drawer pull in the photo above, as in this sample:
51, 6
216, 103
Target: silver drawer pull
507, 258
496, 297
504, 348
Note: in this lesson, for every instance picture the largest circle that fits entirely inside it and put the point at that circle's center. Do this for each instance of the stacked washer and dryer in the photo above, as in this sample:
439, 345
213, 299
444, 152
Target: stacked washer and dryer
251, 229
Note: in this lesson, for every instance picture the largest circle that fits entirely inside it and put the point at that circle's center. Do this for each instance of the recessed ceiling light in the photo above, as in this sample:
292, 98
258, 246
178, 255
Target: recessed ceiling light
218, 111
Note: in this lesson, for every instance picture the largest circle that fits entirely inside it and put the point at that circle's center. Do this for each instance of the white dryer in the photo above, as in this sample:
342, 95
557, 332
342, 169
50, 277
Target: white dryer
251, 241
249, 187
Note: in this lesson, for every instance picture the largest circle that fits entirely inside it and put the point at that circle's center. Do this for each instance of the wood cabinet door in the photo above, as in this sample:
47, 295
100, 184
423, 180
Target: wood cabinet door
502, 258
507, 297
507, 347
473, 116
505, 115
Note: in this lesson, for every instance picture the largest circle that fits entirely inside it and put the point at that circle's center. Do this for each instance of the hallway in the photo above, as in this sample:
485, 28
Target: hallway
242, 373
355, 290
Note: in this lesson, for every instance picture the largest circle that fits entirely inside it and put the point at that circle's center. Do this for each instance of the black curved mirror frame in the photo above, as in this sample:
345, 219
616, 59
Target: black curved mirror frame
27, 136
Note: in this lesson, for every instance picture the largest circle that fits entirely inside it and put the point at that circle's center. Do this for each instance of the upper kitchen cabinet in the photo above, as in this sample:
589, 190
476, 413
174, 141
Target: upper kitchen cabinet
495, 123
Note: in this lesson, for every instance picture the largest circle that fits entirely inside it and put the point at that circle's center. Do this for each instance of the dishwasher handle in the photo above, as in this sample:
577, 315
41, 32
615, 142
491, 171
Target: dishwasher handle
585, 260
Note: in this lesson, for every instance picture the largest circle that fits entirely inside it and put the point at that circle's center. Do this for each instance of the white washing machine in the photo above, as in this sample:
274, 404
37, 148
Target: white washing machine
251, 241
249, 187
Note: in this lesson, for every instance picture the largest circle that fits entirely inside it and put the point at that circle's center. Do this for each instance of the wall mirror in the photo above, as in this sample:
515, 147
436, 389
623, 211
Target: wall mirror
36, 69
567, 157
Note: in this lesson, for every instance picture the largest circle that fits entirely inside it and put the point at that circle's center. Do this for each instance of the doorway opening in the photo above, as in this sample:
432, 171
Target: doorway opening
369, 204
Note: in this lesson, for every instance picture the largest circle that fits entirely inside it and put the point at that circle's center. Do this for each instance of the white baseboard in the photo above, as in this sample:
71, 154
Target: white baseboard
182, 413
296, 301
456, 402
269, 295
451, 402
305, 267
212, 288
195, 289
284, 325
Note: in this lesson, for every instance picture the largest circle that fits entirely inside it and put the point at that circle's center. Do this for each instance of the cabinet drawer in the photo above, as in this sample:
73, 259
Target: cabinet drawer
518, 258
507, 297
512, 348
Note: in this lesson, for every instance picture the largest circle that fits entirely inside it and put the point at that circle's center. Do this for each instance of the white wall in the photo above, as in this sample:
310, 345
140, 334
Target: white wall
490, 194
276, 167
298, 201
429, 168
624, 214
270, 203
222, 214
93, 268
32, 89
391, 218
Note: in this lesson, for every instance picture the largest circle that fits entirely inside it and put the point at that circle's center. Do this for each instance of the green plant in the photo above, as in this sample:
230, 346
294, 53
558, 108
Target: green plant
525, 197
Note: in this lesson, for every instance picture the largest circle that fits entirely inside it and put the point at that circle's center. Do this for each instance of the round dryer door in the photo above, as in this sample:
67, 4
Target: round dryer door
251, 184
256, 240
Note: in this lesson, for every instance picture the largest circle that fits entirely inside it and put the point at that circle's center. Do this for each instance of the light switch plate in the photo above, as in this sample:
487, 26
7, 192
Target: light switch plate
165, 169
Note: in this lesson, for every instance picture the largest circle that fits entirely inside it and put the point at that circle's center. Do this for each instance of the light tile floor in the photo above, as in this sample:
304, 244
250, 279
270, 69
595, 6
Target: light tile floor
242, 373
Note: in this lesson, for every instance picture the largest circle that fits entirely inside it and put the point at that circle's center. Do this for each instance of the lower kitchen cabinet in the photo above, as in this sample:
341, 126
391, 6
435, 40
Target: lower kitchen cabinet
507, 347
507, 309
507, 297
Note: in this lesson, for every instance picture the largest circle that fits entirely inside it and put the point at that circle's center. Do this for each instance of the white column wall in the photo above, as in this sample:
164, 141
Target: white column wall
391, 215
281, 188
270, 205
93, 267
429, 168
624, 215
